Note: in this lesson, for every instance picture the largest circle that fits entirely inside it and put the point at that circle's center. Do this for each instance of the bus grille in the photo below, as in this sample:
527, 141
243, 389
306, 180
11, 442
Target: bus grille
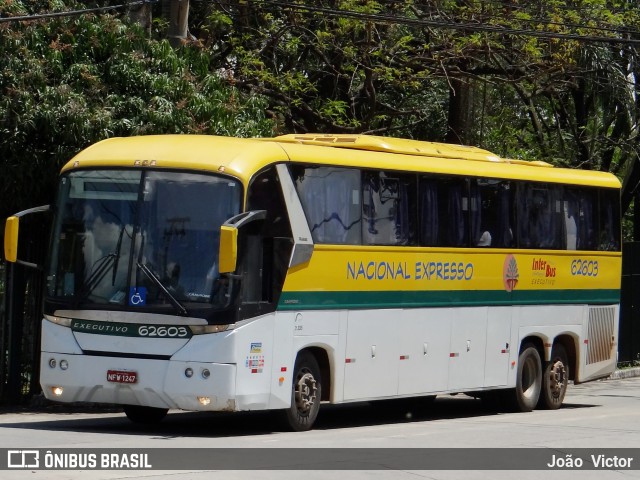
600, 334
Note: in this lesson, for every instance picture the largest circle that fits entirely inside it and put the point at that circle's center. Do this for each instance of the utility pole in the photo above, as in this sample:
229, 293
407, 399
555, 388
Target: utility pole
177, 12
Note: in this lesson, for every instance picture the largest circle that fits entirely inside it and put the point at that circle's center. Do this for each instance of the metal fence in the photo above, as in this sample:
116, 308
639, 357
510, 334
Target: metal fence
21, 315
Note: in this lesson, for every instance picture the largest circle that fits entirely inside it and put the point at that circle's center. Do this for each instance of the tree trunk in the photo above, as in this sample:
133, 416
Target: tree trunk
178, 16
460, 118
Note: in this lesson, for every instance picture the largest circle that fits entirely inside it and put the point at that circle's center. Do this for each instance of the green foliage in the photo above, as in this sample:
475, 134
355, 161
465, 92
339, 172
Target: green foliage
326, 72
66, 83
561, 99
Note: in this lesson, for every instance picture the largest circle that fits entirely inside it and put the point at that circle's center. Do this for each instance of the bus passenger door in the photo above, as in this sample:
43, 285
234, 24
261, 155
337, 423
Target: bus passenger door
371, 359
496, 369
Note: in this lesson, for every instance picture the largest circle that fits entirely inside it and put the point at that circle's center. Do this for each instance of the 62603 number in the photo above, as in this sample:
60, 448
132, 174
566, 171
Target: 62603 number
163, 332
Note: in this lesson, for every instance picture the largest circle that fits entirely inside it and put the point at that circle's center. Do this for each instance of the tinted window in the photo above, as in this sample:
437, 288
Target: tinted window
387, 208
330, 198
609, 215
540, 216
491, 213
580, 216
443, 211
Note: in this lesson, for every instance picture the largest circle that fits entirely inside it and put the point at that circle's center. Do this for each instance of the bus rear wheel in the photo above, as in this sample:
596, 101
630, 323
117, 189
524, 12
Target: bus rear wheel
306, 393
525, 396
555, 379
145, 415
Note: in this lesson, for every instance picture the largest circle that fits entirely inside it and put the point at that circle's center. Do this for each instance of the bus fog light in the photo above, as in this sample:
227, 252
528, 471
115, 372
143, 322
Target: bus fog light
52, 362
57, 391
206, 373
64, 364
204, 401
188, 372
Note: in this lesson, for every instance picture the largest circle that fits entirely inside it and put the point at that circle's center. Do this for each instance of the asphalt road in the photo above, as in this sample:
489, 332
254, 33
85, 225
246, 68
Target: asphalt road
599, 418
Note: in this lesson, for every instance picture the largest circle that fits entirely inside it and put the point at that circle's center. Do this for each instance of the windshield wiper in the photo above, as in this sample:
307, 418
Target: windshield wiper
97, 275
154, 278
101, 267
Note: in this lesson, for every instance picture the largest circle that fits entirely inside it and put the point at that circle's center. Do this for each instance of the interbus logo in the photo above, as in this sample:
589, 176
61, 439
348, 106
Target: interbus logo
510, 273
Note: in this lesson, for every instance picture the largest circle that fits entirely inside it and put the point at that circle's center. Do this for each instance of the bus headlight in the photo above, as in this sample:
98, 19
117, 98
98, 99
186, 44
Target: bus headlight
204, 329
65, 322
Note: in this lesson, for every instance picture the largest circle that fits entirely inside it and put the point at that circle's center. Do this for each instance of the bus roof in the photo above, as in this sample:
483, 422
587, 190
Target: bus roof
242, 157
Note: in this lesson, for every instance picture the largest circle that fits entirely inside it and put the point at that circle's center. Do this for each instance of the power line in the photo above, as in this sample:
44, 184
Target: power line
73, 13
538, 10
388, 19
438, 24
539, 20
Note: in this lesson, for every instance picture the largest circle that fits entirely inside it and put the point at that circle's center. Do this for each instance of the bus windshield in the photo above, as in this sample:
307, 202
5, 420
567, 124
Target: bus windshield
140, 241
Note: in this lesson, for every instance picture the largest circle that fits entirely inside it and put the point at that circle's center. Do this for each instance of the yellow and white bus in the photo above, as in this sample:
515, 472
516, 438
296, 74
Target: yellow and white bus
214, 273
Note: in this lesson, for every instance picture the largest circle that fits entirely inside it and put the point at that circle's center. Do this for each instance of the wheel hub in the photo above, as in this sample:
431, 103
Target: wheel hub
557, 374
305, 392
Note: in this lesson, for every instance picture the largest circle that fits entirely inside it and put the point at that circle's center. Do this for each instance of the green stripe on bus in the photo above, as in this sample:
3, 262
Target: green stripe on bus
413, 299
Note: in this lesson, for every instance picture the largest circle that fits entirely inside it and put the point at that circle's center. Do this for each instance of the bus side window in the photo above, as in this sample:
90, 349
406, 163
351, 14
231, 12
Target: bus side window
443, 211
429, 220
331, 200
388, 212
453, 206
580, 218
609, 225
540, 217
491, 213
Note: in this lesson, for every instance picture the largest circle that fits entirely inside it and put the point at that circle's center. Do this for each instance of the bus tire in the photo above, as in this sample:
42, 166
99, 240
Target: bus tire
145, 415
524, 397
555, 379
306, 393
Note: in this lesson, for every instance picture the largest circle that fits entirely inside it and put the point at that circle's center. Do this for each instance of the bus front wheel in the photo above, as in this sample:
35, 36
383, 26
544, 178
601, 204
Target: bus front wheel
144, 415
555, 379
306, 393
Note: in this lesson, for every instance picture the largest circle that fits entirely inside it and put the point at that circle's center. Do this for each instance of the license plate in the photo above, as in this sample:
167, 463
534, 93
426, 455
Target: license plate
120, 376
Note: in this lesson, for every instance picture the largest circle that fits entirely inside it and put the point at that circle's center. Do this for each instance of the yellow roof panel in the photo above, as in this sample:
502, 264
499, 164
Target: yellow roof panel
339, 155
242, 157
393, 145
239, 157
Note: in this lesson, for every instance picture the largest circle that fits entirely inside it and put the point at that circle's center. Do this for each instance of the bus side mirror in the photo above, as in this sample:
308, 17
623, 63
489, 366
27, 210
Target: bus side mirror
35, 237
228, 249
230, 231
11, 228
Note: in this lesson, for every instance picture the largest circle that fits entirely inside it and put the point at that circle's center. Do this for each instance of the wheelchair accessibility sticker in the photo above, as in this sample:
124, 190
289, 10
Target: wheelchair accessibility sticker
137, 296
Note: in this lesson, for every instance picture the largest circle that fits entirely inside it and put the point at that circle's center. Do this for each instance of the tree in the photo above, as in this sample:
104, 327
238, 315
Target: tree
562, 71
68, 82
326, 72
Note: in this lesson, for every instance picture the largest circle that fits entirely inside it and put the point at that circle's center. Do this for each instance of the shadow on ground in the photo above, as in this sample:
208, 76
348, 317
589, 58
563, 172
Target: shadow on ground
213, 424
